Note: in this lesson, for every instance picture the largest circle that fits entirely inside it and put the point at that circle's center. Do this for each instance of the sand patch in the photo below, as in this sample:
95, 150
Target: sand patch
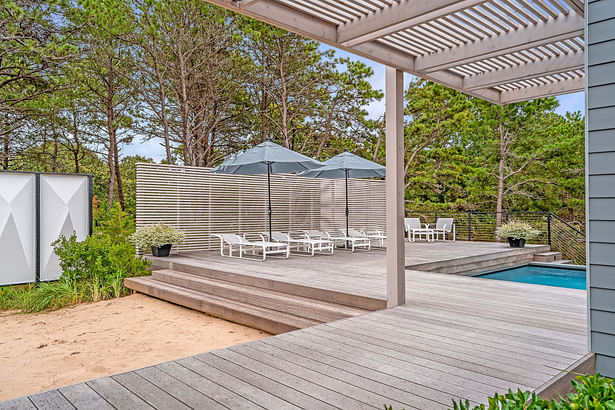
47, 350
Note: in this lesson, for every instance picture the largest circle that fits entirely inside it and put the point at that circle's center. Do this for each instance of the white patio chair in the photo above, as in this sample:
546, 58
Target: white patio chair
306, 244
415, 228
354, 241
374, 236
243, 245
314, 234
444, 226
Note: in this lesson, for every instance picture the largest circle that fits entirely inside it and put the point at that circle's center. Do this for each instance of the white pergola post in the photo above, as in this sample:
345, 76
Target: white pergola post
394, 117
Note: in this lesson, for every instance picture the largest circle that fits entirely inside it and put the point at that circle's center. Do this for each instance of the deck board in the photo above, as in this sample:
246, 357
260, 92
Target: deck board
360, 273
455, 338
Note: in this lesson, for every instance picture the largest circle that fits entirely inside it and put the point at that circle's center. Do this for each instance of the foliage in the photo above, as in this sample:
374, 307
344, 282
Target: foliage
591, 392
517, 230
90, 77
509, 401
92, 269
156, 236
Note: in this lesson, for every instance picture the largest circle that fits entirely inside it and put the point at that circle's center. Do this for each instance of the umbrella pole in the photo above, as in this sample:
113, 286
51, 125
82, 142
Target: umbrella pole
269, 198
347, 230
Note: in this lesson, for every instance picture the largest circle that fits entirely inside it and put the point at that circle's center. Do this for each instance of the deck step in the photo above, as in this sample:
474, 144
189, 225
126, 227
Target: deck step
268, 320
564, 262
265, 298
547, 256
202, 269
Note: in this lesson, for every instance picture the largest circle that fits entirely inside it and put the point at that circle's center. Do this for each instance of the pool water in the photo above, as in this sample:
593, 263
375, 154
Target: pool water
542, 275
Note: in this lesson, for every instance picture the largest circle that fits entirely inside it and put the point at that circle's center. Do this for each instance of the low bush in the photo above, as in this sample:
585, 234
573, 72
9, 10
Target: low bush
92, 269
591, 392
155, 236
517, 230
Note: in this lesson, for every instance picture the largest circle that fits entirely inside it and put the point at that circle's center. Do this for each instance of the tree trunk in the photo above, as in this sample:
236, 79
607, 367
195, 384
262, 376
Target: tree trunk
112, 144
54, 156
263, 114
76, 159
6, 152
77, 148
118, 176
110, 189
163, 112
183, 96
45, 149
501, 163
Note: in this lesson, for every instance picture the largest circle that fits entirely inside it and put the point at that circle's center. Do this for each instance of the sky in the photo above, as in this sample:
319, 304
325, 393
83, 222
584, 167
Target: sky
153, 149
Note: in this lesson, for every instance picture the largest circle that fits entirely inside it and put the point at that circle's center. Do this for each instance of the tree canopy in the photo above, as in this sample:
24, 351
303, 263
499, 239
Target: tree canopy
82, 79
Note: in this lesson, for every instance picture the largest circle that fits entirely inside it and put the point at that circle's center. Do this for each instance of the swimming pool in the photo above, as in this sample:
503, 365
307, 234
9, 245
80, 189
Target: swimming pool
563, 277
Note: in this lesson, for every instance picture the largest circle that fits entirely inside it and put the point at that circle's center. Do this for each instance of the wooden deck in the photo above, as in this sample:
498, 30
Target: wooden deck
360, 273
457, 337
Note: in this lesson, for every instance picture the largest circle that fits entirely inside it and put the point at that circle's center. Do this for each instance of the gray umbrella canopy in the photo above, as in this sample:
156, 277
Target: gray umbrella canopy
347, 165
267, 158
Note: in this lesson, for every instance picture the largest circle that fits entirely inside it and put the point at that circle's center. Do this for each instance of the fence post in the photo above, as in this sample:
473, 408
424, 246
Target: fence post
549, 228
469, 225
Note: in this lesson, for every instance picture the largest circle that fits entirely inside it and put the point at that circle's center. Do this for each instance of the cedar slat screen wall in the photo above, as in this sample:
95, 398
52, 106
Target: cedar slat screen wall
200, 202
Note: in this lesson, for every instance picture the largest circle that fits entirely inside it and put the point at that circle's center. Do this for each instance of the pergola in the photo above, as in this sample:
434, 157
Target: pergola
502, 51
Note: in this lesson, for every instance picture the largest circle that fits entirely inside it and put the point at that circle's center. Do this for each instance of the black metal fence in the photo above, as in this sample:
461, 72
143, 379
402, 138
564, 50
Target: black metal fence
480, 226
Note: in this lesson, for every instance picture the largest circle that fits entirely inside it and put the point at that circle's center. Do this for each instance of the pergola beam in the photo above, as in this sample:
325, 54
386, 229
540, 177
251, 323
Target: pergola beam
398, 16
577, 6
554, 65
553, 30
547, 90
290, 19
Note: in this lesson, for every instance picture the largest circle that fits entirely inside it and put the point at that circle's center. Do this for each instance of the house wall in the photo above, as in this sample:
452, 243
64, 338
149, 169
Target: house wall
200, 202
600, 169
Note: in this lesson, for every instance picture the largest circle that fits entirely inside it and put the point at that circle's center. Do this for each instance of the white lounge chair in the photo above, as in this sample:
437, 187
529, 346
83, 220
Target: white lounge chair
377, 236
415, 228
314, 234
444, 226
306, 244
354, 241
243, 245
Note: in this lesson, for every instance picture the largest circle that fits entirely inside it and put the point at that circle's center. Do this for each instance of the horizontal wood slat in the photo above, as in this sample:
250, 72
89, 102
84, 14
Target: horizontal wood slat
200, 202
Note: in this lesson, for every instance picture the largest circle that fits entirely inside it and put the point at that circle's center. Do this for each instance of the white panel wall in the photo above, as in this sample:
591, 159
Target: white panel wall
64, 211
17, 228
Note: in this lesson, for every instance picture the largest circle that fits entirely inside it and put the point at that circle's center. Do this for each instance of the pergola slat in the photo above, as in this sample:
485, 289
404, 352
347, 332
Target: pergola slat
491, 49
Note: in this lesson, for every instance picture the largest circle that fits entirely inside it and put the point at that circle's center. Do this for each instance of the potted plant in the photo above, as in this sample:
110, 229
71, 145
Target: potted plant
516, 233
159, 238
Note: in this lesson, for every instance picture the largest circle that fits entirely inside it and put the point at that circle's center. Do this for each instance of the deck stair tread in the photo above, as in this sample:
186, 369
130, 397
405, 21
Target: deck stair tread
547, 256
270, 310
232, 272
480, 263
271, 299
269, 320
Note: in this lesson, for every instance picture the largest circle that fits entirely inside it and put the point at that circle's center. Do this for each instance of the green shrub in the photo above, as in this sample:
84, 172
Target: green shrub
591, 392
509, 401
92, 269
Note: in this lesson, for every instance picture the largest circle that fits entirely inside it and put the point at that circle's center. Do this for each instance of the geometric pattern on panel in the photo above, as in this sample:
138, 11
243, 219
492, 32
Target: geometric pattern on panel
64, 211
17, 228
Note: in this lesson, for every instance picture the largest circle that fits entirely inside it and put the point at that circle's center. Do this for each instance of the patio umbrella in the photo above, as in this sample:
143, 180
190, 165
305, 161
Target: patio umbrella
267, 158
347, 165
